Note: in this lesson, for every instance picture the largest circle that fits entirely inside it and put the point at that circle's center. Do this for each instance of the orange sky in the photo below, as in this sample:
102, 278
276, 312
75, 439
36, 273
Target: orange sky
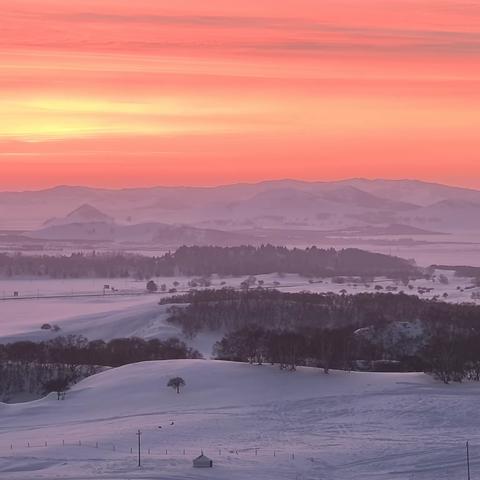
145, 92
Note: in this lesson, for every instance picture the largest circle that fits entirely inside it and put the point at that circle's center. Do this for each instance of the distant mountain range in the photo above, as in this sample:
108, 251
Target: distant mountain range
239, 213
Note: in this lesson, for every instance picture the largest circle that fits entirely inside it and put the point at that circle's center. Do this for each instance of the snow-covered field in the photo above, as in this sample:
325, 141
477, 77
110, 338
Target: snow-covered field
254, 421
103, 317
80, 308
304, 425
95, 318
458, 288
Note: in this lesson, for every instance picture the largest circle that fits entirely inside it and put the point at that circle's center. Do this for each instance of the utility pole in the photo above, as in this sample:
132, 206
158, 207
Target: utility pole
139, 435
468, 462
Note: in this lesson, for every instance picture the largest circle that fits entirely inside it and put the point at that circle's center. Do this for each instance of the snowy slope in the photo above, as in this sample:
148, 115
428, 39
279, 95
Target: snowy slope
305, 425
451, 214
145, 319
23, 319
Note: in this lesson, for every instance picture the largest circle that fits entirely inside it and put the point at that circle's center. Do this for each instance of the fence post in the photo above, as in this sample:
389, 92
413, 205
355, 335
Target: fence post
256, 451
46, 444
63, 443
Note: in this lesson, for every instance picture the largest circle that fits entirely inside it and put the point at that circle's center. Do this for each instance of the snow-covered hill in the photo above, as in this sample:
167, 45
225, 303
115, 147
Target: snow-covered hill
450, 214
253, 421
83, 214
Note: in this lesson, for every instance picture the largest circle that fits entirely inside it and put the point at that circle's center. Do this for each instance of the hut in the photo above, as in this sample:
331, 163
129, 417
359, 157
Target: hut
202, 462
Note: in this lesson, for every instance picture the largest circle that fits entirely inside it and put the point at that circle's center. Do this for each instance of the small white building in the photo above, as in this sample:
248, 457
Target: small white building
202, 462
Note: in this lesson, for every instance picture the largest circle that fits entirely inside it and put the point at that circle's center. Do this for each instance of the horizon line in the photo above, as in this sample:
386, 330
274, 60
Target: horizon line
240, 183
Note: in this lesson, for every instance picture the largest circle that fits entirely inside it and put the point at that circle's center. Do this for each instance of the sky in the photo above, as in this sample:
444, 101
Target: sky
121, 93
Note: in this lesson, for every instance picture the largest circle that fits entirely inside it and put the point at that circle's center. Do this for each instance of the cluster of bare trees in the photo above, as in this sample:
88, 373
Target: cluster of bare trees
452, 352
323, 348
37, 379
54, 365
448, 352
229, 310
383, 330
77, 350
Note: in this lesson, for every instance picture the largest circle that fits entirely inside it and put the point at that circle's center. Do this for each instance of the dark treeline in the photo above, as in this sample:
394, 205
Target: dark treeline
198, 261
327, 348
77, 350
448, 352
227, 309
312, 261
461, 271
79, 265
389, 331
37, 379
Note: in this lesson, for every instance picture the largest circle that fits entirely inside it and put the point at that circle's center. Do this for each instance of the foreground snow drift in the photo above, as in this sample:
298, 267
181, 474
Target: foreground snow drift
254, 421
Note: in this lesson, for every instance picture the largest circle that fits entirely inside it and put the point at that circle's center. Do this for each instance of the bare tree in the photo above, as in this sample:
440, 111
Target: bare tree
176, 383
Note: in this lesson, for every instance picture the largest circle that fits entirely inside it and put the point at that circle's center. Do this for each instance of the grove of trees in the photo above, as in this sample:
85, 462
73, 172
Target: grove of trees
77, 350
385, 330
201, 261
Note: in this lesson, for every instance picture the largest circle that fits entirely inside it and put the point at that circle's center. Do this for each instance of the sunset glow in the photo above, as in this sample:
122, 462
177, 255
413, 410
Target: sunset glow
119, 93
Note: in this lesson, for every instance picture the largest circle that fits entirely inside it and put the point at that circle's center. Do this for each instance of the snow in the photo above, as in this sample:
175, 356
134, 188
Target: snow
22, 316
305, 425
79, 307
35, 287
101, 318
302, 425
291, 213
